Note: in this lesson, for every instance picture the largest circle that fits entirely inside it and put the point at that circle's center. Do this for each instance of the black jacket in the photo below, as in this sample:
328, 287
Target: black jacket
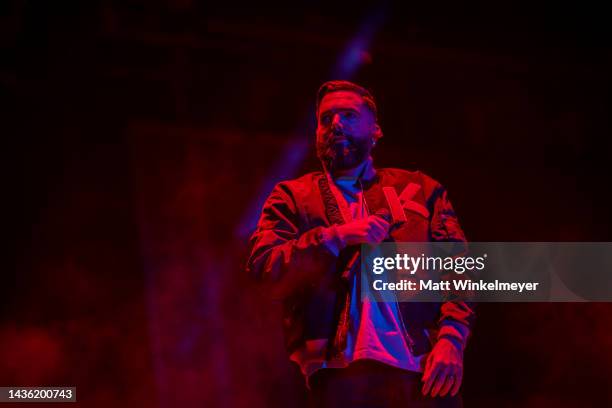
288, 251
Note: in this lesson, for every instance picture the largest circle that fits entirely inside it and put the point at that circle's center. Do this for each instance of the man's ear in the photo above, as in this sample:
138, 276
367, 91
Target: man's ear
377, 134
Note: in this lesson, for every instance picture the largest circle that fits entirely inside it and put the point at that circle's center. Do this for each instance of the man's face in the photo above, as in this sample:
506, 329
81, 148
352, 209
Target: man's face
346, 129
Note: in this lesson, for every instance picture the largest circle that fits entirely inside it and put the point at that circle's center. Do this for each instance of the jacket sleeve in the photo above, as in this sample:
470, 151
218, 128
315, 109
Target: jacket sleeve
457, 316
281, 255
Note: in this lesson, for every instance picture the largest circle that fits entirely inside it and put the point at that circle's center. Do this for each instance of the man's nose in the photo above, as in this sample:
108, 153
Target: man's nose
336, 121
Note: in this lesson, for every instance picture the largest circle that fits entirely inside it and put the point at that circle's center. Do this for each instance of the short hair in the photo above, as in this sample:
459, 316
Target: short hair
338, 85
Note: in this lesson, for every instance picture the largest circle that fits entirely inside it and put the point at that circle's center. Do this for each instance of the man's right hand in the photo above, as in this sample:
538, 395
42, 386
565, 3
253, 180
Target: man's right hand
371, 230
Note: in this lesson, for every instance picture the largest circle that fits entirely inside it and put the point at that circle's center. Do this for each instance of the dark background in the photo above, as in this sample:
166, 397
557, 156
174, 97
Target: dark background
140, 138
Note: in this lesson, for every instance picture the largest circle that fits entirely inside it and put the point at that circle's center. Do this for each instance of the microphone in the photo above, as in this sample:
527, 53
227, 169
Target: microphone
388, 216
383, 213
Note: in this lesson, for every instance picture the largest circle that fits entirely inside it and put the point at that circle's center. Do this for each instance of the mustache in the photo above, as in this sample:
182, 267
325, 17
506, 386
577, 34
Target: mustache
338, 136
338, 150
335, 144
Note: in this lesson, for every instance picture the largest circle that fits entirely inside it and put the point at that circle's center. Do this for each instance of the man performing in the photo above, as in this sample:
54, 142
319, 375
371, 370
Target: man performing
356, 353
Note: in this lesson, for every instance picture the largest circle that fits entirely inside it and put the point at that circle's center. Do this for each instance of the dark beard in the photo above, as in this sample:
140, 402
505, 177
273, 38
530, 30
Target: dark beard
342, 156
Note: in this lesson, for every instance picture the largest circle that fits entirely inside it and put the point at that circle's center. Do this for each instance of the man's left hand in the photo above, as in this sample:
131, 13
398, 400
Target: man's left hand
443, 369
